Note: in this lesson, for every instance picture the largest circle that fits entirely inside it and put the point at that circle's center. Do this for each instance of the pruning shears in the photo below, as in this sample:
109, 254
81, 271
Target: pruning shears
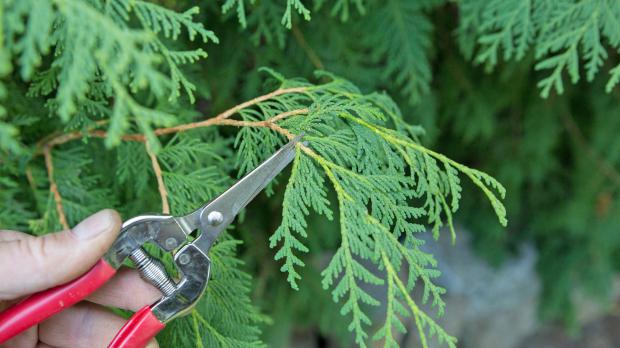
170, 233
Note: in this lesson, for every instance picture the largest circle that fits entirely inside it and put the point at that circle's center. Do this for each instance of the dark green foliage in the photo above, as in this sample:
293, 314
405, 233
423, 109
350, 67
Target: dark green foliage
562, 33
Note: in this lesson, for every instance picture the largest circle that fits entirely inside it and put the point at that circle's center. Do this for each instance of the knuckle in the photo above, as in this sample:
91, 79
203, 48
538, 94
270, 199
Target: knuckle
38, 252
32, 250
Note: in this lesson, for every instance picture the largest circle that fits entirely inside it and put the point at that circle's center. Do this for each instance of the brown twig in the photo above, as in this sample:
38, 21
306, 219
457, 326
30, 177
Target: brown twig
301, 40
45, 140
163, 193
93, 133
577, 135
226, 114
284, 115
281, 130
65, 138
30, 178
54, 188
45, 145
219, 120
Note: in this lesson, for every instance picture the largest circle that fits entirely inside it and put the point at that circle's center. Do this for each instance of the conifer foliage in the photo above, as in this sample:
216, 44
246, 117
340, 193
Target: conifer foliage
562, 33
99, 109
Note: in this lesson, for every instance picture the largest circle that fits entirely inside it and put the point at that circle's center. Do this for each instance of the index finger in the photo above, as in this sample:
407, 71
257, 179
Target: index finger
126, 290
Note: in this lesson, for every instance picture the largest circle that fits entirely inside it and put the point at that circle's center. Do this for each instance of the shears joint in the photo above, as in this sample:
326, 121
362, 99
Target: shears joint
168, 233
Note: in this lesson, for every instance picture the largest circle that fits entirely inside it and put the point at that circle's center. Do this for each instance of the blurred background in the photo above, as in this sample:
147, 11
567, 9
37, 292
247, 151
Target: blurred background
549, 279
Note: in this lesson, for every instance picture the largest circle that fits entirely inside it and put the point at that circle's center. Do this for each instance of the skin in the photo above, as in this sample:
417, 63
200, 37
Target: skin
54, 259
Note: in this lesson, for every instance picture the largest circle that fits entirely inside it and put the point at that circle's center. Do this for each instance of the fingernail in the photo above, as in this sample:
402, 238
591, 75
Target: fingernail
94, 225
152, 344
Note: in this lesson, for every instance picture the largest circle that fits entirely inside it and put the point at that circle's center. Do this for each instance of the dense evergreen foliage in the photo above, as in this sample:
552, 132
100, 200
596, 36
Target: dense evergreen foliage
116, 104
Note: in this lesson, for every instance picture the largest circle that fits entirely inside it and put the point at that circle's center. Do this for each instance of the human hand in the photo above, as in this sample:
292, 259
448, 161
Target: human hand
31, 264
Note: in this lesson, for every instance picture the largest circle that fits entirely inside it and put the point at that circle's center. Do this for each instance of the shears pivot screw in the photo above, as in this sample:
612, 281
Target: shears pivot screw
215, 218
171, 243
184, 259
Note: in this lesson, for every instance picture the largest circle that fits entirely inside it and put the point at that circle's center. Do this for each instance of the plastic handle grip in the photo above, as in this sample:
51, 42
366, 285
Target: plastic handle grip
138, 331
44, 304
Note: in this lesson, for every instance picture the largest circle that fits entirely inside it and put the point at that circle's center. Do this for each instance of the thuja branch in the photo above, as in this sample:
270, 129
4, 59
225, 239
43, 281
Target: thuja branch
312, 56
220, 119
45, 146
49, 165
165, 207
480, 179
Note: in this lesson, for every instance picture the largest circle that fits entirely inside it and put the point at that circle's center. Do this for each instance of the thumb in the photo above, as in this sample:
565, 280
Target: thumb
30, 264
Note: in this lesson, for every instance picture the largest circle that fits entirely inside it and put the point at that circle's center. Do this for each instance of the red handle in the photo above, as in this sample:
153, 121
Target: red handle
44, 304
138, 330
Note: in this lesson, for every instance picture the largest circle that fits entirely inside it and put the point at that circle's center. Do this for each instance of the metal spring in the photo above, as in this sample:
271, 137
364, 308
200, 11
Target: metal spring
152, 271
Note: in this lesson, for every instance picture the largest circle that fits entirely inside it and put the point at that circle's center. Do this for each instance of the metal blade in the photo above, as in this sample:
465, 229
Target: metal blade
215, 216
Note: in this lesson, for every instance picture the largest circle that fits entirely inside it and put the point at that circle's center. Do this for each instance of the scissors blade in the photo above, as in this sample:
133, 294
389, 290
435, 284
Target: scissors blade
215, 216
